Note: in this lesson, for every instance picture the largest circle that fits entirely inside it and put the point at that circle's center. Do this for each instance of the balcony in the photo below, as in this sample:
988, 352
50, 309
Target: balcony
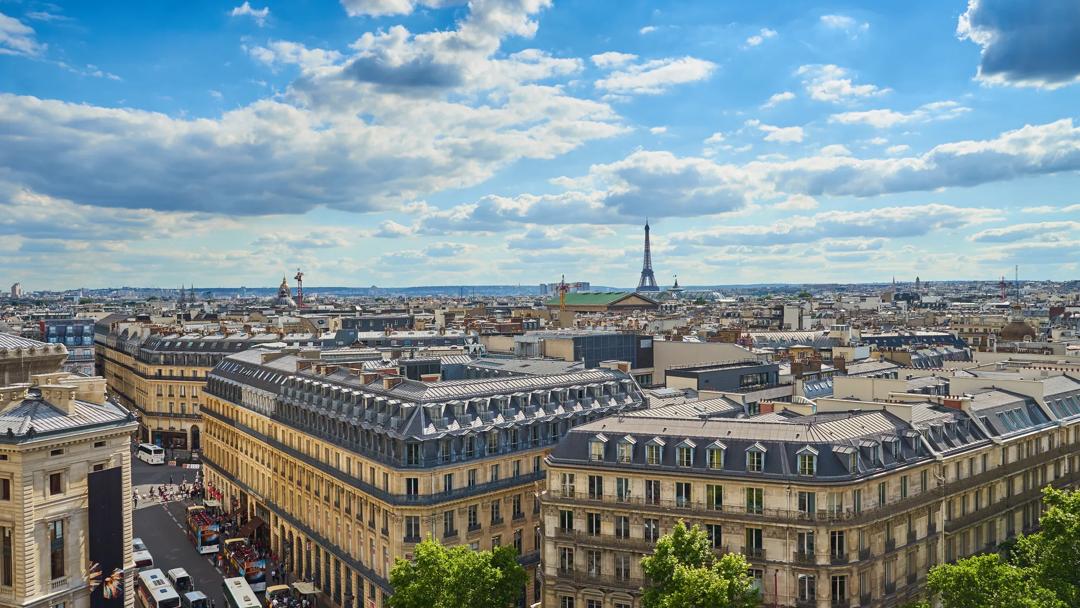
865, 599
801, 557
411, 540
519, 515
890, 588
585, 579
911, 578
57, 584
890, 544
474, 527
757, 553
805, 603
911, 537
450, 533
838, 560
864, 554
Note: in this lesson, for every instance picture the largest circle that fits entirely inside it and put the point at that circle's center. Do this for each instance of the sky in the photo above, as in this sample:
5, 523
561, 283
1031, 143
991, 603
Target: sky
436, 142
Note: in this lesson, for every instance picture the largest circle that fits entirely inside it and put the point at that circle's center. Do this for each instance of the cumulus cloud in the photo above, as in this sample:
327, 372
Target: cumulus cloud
648, 29
1023, 232
17, 38
1031, 150
1036, 44
778, 98
833, 83
612, 59
883, 119
259, 15
330, 140
760, 37
1052, 209
656, 76
797, 202
885, 222
778, 134
657, 130
382, 8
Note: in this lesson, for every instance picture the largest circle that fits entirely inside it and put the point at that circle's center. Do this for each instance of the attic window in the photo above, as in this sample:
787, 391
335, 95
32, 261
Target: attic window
715, 455
596, 448
755, 458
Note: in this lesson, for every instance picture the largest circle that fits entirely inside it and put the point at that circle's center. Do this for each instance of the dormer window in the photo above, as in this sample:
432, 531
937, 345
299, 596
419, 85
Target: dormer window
626, 449
715, 455
684, 453
755, 458
654, 451
853, 462
596, 447
807, 461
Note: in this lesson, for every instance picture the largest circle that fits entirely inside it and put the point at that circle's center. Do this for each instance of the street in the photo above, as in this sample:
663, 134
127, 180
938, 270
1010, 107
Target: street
163, 530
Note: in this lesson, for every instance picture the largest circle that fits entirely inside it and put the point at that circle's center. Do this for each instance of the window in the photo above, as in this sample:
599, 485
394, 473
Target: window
805, 544
592, 562
566, 520
715, 458
596, 487
622, 489
448, 482
568, 485
473, 518
494, 472
592, 524
5, 489
856, 501
755, 500
622, 526
683, 496
56, 549
7, 554
625, 451
808, 502
807, 464
834, 502
448, 524
517, 506
412, 527
471, 477
716, 535
496, 512
837, 546
714, 497
652, 491
622, 566
839, 590
684, 456
881, 494
412, 486
651, 529
593, 604
924, 482
755, 461
807, 587
56, 483
596, 450
754, 542
904, 486
566, 561
652, 454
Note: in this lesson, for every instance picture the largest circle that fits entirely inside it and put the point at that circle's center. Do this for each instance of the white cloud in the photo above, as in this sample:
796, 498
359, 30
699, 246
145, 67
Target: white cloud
648, 29
1052, 209
656, 76
778, 98
845, 23
612, 59
216, 94
898, 149
834, 84
835, 150
1041, 231
259, 15
778, 134
883, 119
382, 8
657, 130
760, 37
797, 202
17, 38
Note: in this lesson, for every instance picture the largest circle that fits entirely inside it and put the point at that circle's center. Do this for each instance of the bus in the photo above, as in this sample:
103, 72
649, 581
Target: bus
238, 593
154, 590
241, 559
203, 528
150, 454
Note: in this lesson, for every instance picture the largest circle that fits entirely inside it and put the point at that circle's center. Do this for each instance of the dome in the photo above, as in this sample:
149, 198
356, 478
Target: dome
1016, 331
284, 296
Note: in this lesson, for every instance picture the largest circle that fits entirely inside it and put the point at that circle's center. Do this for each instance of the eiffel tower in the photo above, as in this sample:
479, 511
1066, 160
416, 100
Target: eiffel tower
647, 282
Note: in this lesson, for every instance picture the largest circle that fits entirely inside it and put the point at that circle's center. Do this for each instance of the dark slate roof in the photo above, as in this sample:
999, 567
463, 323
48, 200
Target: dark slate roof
12, 341
35, 417
882, 441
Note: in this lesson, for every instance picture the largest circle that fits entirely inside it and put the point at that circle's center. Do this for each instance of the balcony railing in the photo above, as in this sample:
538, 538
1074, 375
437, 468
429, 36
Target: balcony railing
911, 578
801, 557
584, 578
864, 554
757, 553
890, 588
838, 559
890, 544
57, 584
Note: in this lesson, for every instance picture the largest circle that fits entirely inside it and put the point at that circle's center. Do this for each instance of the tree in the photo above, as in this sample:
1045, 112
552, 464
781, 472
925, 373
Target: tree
985, 581
1053, 553
683, 572
450, 577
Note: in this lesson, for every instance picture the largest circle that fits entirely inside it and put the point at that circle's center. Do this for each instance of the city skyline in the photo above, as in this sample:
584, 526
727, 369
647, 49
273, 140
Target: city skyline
430, 142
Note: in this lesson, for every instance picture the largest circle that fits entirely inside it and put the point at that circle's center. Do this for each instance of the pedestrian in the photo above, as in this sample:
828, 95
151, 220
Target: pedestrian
170, 479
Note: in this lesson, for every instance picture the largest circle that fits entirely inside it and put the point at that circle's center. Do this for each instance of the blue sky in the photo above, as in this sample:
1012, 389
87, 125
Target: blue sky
405, 142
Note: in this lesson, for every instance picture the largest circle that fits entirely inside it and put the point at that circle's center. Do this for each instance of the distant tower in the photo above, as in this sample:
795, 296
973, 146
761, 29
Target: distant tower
647, 282
675, 289
918, 284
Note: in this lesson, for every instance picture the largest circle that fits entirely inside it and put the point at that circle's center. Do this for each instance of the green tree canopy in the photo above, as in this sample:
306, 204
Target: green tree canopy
1053, 553
683, 572
451, 577
985, 581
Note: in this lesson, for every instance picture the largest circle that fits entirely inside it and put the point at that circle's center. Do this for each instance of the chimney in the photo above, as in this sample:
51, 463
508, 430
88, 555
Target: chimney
368, 377
430, 377
952, 402
840, 364
390, 382
766, 407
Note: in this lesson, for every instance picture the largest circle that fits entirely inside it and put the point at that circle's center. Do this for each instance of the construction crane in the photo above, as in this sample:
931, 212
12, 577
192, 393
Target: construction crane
563, 289
299, 289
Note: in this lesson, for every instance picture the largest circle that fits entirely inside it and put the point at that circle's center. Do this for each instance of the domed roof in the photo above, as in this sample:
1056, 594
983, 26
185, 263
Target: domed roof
1016, 331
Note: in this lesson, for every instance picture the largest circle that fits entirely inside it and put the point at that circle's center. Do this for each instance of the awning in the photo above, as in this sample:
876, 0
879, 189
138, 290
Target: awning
249, 528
